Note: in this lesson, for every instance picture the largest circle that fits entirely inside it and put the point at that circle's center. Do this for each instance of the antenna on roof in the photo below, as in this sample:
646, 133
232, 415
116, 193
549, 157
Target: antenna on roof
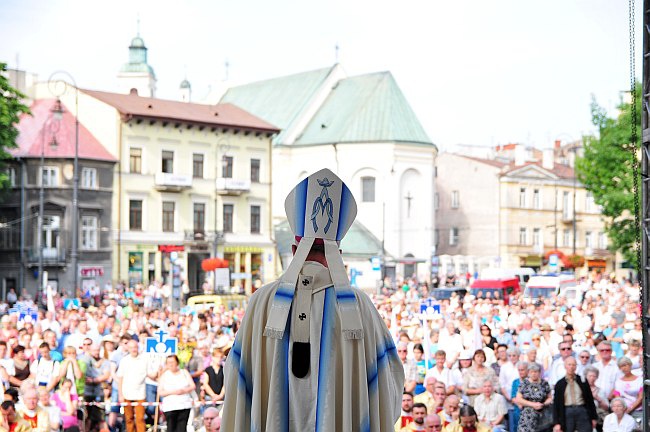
336, 53
138, 25
226, 66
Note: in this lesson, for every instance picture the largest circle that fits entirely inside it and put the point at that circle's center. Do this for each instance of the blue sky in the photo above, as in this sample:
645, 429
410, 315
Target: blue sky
475, 72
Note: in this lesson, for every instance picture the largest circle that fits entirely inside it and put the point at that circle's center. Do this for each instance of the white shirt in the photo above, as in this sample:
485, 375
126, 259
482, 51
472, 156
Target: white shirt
451, 377
489, 410
44, 370
611, 424
608, 375
507, 375
133, 371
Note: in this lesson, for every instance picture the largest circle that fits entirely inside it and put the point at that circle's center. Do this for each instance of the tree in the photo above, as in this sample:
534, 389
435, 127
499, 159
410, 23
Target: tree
606, 170
11, 107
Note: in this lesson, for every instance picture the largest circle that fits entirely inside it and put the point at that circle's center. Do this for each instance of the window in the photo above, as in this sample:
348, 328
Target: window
537, 238
523, 236
522, 198
565, 205
50, 176
453, 236
255, 170
566, 238
537, 202
436, 237
436, 201
168, 216
368, 189
590, 204
51, 236
89, 232
12, 177
602, 240
168, 162
197, 165
199, 217
135, 215
228, 210
588, 239
455, 199
135, 160
89, 178
255, 219
226, 168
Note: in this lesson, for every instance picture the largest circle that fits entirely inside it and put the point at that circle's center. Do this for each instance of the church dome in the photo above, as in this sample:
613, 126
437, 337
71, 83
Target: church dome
137, 42
185, 84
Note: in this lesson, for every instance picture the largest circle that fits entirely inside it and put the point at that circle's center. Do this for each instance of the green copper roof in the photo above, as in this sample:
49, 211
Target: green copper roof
358, 242
365, 108
278, 101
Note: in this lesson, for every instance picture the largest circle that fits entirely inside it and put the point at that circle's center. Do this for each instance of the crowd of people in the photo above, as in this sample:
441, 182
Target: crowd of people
474, 365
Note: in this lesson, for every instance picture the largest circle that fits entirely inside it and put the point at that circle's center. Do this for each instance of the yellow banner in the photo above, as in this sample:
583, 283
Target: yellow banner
242, 249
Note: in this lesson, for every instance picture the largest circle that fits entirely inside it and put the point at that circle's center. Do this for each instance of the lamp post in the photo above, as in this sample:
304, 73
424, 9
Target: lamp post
47, 126
55, 89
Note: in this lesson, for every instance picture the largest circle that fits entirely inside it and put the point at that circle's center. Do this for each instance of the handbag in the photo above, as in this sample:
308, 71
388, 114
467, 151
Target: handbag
546, 419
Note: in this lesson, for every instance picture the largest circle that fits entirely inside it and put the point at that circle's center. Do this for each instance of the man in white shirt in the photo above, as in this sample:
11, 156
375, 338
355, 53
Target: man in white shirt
607, 367
450, 377
557, 370
508, 373
45, 370
131, 377
491, 407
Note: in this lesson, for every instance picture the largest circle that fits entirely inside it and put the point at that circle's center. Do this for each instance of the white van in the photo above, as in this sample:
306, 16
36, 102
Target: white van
546, 286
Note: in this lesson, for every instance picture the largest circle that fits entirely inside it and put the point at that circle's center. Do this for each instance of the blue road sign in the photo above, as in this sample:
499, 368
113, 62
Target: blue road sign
429, 307
162, 344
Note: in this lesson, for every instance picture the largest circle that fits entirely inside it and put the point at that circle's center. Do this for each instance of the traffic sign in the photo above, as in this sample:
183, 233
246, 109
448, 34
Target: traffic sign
162, 344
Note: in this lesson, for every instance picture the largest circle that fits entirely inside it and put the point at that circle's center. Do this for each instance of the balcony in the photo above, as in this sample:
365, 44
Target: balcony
170, 182
199, 236
231, 186
52, 256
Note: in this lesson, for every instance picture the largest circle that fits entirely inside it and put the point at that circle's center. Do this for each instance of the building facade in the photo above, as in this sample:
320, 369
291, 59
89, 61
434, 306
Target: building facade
515, 212
44, 163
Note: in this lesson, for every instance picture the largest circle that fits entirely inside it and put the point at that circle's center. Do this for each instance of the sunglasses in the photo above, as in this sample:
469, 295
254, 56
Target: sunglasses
565, 349
584, 357
605, 350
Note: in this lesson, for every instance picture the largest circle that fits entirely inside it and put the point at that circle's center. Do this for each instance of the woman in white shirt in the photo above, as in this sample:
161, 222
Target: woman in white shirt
175, 386
618, 420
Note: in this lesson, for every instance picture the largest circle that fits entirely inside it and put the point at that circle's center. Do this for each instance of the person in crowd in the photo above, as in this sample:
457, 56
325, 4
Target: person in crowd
476, 375
419, 413
600, 398
131, 376
467, 421
175, 386
21, 366
607, 367
406, 415
37, 417
508, 373
573, 403
487, 339
491, 407
209, 415
53, 411
614, 334
212, 380
432, 423
634, 354
45, 370
67, 401
629, 387
557, 370
501, 354
410, 368
451, 378
584, 361
533, 396
619, 420
434, 397
514, 411
422, 367
10, 421
98, 372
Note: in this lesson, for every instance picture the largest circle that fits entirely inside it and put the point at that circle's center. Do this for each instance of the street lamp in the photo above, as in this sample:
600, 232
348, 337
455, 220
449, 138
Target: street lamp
53, 128
55, 88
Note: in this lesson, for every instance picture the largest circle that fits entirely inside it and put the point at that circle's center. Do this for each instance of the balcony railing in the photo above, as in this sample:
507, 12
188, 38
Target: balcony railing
231, 186
173, 182
51, 255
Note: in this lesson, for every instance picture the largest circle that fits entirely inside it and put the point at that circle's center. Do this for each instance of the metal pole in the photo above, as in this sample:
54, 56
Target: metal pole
574, 205
41, 209
555, 220
75, 195
644, 266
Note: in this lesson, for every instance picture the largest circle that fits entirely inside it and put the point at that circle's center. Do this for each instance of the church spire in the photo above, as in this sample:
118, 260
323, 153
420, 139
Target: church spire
137, 73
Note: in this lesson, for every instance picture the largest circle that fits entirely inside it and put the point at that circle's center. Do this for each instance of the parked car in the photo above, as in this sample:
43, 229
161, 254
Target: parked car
521, 273
496, 288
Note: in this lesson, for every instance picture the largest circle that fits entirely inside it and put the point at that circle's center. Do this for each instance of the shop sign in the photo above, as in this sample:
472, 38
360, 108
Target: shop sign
91, 271
242, 249
171, 248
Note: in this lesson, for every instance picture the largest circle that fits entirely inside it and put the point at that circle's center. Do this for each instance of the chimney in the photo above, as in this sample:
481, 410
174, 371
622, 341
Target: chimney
548, 158
520, 155
133, 92
558, 144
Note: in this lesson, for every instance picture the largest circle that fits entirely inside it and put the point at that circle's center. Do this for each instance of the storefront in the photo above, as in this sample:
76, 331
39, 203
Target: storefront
250, 266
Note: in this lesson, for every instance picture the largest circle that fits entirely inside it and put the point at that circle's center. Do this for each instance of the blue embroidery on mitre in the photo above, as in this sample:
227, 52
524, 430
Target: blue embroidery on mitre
324, 204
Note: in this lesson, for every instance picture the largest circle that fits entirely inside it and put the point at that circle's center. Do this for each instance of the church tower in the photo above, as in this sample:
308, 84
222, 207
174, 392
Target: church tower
185, 91
137, 74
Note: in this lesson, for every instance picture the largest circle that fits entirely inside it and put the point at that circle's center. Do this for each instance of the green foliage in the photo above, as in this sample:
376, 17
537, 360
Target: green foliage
606, 170
11, 107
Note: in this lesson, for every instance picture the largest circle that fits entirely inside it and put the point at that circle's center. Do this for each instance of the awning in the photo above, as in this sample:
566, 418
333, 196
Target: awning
596, 263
